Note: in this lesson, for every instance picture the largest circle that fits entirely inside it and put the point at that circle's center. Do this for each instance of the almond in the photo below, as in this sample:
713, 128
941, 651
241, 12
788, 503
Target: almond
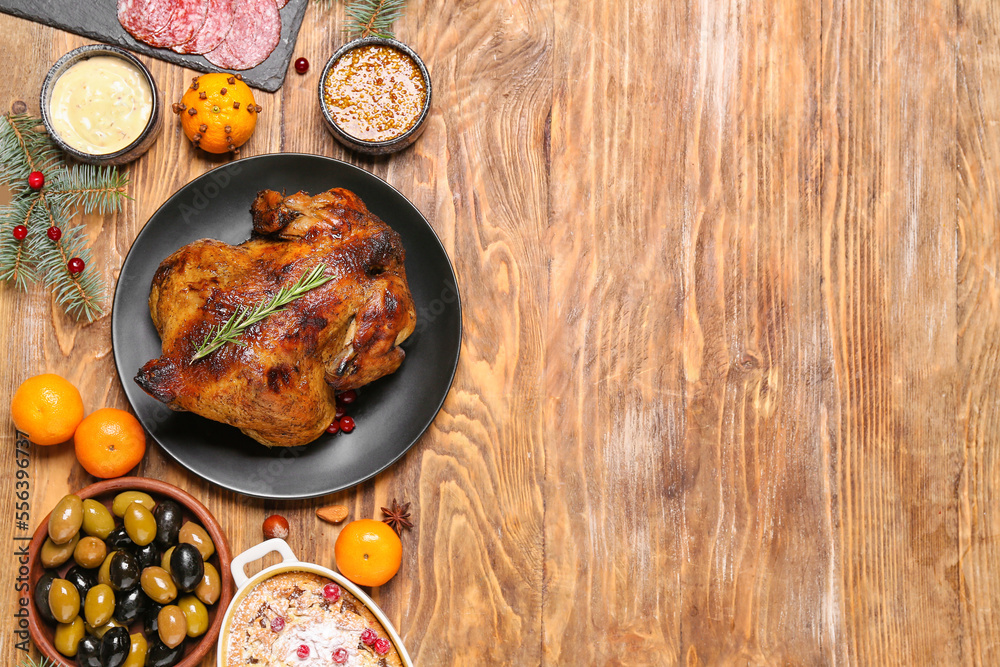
332, 513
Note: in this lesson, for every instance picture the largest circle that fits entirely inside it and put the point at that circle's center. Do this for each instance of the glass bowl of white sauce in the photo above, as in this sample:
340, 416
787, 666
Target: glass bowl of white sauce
100, 105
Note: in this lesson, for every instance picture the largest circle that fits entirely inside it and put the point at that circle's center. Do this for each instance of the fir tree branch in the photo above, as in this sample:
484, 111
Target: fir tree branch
15, 265
101, 189
80, 295
373, 17
243, 318
24, 147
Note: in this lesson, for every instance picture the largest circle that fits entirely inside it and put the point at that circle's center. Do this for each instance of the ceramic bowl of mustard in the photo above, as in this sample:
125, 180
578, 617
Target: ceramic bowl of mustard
375, 94
53, 639
100, 105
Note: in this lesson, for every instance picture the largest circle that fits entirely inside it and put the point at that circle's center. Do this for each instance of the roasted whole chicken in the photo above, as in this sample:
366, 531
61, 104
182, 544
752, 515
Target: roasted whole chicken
279, 386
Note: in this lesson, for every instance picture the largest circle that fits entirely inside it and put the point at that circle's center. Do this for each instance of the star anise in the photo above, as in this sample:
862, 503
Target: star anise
398, 517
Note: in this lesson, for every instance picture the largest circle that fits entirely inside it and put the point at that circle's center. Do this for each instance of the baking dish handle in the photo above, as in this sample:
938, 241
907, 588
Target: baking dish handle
256, 553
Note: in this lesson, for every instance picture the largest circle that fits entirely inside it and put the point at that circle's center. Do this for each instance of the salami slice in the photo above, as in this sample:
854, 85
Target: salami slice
217, 23
255, 32
187, 19
144, 18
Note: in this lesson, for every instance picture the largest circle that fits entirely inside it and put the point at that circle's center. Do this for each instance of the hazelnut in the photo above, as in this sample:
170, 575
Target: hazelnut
275, 526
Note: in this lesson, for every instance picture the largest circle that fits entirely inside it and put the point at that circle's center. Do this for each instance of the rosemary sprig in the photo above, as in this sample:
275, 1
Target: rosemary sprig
246, 317
28, 662
373, 17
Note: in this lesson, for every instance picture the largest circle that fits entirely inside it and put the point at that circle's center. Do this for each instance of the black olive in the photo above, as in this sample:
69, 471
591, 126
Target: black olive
187, 567
130, 604
160, 655
168, 523
124, 571
149, 618
148, 555
88, 652
42, 596
82, 578
119, 540
115, 647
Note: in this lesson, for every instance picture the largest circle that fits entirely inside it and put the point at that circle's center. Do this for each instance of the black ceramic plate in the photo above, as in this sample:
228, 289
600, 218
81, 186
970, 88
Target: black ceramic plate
391, 413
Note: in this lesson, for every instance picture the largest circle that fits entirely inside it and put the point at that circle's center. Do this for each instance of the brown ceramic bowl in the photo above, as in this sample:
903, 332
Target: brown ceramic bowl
42, 633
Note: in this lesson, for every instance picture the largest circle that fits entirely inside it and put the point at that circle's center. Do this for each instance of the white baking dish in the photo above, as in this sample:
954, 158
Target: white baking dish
290, 563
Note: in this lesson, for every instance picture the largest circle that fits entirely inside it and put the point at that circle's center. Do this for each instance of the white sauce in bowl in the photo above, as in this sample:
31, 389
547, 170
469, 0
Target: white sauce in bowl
100, 105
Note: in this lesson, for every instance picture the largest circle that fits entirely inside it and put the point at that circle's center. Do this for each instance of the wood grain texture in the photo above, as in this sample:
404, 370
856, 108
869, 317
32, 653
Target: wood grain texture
727, 389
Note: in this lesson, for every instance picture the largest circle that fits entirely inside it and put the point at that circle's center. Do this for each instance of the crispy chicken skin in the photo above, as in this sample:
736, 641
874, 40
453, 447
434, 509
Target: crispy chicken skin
279, 388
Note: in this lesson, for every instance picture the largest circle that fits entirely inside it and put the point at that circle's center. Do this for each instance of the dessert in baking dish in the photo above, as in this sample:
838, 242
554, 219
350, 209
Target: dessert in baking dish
302, 619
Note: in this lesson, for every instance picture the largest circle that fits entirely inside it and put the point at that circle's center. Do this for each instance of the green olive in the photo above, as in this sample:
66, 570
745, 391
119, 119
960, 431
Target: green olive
158, 585
66, 519
101, 630
137, 652
64, 600
210, 588
126, 498
192, 533
54, 555
68, 636
99, 606
97, 520
165, 561
104, 574
196, 615
90, 552
140, 525
172, 625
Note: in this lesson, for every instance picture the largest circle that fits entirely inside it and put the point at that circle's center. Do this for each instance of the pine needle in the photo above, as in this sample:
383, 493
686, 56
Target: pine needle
369, 18
26, 147
243, 318
101, 189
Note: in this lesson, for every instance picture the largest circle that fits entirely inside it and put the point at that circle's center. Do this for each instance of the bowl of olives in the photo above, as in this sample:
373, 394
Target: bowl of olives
128, 572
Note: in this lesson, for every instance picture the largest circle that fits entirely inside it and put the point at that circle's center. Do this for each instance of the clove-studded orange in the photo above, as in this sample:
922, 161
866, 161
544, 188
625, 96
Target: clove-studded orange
218, 112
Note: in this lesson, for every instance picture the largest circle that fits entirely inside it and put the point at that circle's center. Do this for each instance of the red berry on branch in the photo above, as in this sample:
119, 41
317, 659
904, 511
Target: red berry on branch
75, 265
301, 65
54, 233
346, 424
20, 232
36, 180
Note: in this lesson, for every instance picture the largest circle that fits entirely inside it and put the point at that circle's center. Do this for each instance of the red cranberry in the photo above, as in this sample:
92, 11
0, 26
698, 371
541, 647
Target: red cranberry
368, 637
346, 424
348, 397
340, 411
331, 592
333, 427
20, 232
36, 180
301, 65
54, 233
75, 265
340, 656
381, 646
302, 651
278, 624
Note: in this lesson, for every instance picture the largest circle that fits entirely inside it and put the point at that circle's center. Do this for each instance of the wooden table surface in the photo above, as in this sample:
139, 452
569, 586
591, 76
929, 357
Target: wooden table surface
730, 274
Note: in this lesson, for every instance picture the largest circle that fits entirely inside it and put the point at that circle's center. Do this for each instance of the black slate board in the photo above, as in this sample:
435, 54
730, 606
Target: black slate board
98, 19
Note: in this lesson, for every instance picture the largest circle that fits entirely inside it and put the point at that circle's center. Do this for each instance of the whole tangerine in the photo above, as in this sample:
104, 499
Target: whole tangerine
109, 443
368, 552
218, 112
47, 408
